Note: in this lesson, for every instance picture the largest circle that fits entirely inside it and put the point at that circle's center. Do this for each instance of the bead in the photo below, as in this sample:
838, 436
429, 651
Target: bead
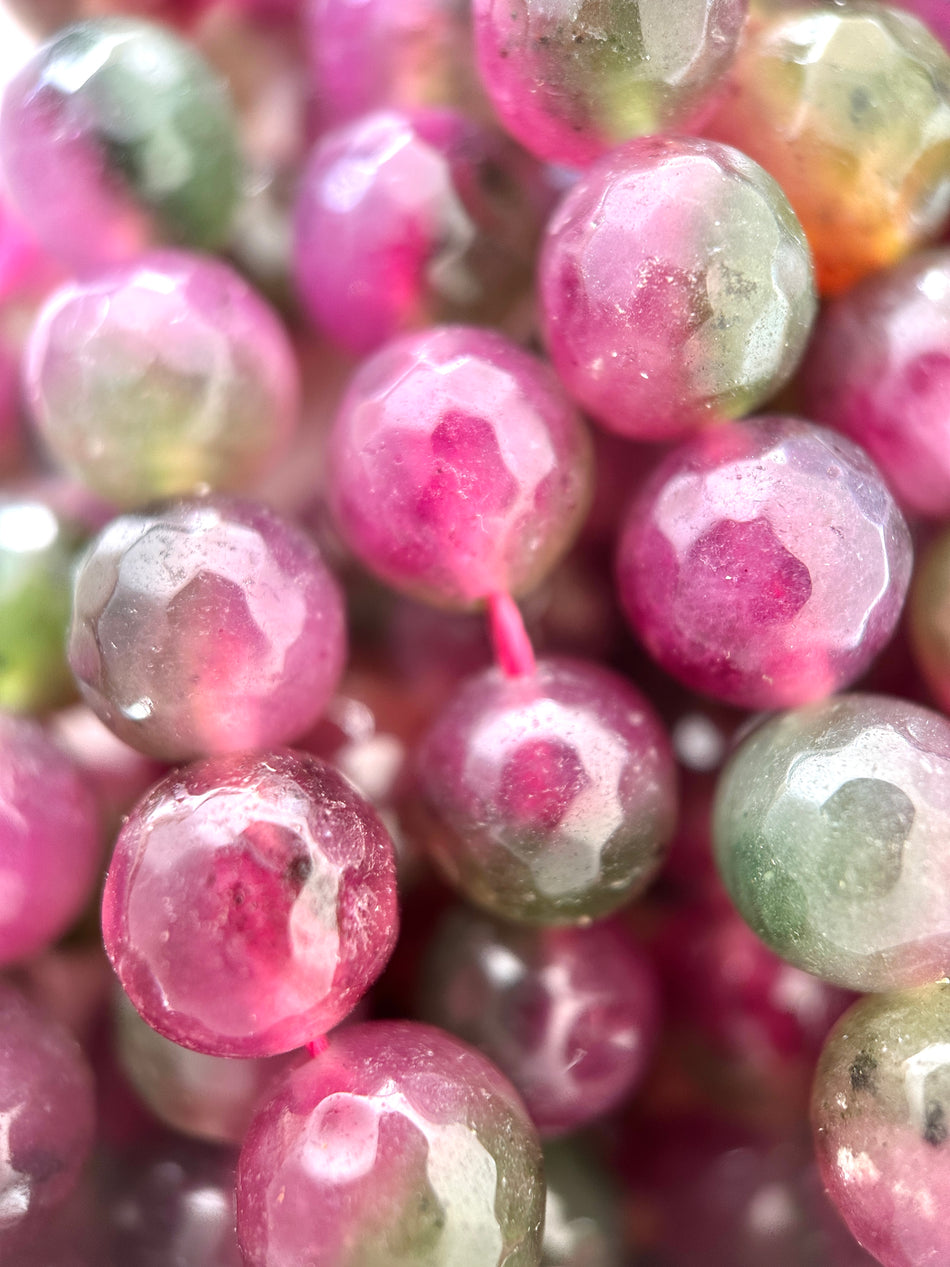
206, 626
848, 107
551, 797
929, 619
405, 219
457, 468
826, 828
116, 136
250, 903
166, 376
573, 81
880, 1115
731, 562
398, 1143
694, 248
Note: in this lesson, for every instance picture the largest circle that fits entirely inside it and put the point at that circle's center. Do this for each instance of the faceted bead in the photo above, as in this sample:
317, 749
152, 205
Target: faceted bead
730, 566
400, 1145
250, 903
47, 1116
570, 1015
405, 219
827, 827
115, 136
676, 287
573, 81
206, 626
848, 107
457, 468
49, 840
880, 1113
878, 369
929, 619
163, 377
551, 796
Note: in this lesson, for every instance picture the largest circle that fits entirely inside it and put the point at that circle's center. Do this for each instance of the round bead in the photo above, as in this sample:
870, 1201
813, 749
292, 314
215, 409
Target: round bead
848, 107
250, 903
881, 1117
570, 1015
929, 622
731, 562
827, 825
694, 247
552, 795
398, 1143
117, 135
49, 840
573, 81
165, 376
204, 627
457, 467
405, 219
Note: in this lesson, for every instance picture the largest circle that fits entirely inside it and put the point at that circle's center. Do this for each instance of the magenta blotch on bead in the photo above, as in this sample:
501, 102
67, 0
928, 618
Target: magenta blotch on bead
250, 903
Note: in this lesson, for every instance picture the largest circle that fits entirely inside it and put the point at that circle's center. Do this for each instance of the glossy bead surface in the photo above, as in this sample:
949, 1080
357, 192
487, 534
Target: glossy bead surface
693, 247
206, 626
731, 561
552, 796
880, 1112
573, 81
570, 1015
408, 218
827, 823
49, 840
457, 467
397, 1144
163, 377
250, 903
114, 136
848, 107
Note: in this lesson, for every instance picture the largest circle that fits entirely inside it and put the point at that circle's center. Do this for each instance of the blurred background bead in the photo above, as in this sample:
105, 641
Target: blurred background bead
582, 1213
929, 618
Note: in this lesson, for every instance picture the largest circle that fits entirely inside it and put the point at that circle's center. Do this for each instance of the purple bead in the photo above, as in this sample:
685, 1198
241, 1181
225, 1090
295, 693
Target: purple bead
676, 287
457, 467
570, 1015
551, 796
406, 219
204, 627
732, 564
250, 903
166, 376
878, 369
49, 840
46, 1110
397, 1144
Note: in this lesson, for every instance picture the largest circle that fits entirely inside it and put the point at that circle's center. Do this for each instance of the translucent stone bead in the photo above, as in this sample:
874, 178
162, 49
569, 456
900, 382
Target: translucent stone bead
676, 287
117, 135
206, 626
848, 107
573, 81
457, 468
552, 796
250, 903
881, 1117
570, 1015
826, 826
166, 376
399, 1144
731, 564
49, 840
47, 1116
405, 219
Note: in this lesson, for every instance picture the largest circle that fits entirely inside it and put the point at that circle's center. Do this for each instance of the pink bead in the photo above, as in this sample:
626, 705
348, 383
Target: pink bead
49, 840
457, 468
250, 903
206, 626
732, 564
935, 13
